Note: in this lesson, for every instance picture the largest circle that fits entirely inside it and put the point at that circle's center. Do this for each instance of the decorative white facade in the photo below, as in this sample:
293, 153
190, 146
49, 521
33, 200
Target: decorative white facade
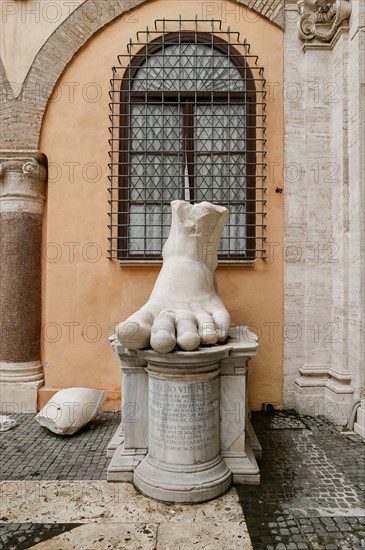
324, 208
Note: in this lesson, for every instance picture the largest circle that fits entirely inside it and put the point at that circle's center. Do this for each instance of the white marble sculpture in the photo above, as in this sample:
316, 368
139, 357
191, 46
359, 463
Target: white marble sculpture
184, 431
71, 409
183, 308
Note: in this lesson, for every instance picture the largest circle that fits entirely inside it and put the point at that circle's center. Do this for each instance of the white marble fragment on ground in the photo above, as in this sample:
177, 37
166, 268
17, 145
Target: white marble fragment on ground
7, 423
70, 409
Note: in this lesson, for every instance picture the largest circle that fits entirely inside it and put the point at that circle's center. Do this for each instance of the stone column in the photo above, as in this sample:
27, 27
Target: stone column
22, 179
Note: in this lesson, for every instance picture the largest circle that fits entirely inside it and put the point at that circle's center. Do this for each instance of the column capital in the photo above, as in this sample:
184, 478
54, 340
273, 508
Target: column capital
23, 175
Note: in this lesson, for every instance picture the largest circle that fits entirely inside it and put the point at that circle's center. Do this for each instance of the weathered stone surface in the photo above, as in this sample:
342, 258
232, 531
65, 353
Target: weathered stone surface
225, 536
103, 502
359, 426
320, 22
118, 536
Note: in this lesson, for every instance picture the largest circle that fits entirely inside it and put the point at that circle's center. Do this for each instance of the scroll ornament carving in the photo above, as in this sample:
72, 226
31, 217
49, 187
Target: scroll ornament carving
30, 167
34, 166
22, 178
320, 19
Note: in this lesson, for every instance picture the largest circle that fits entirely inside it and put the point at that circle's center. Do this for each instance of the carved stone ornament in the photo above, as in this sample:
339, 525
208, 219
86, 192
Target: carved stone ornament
320, 19
22, 179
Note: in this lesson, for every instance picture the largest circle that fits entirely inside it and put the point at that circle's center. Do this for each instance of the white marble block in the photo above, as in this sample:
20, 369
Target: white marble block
70, 409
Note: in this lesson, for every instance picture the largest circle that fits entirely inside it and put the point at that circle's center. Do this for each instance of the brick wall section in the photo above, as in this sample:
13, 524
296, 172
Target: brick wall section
22, 117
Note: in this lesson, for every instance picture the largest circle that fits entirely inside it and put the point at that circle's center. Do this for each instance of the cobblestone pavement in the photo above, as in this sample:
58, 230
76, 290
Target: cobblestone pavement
20, 536
32, 452
312, 487
311, 494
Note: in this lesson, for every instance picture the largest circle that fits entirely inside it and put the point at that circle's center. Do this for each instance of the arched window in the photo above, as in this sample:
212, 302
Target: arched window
187, 112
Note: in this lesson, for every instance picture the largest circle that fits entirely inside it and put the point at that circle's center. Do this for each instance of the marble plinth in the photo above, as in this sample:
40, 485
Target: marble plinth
184, 421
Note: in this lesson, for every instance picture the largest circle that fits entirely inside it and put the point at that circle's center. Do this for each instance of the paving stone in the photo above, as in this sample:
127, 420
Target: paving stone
306, 473
121, 536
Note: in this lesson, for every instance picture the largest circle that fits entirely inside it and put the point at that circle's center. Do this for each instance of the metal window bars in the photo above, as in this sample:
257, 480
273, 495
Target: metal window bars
187, 122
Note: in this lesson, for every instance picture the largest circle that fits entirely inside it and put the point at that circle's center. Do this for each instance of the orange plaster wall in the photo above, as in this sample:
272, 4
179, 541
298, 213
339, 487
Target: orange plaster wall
84, 293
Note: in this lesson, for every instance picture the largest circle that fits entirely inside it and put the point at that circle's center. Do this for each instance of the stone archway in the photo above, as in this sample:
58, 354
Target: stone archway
27, 110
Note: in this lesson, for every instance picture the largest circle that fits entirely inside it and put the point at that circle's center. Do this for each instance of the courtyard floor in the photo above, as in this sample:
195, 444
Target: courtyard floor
54, 494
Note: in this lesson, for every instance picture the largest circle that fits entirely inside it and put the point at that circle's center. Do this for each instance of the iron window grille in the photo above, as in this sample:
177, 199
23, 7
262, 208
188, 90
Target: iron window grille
187, 122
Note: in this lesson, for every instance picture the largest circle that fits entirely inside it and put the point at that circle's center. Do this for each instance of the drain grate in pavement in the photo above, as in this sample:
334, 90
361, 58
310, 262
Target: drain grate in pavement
20, 536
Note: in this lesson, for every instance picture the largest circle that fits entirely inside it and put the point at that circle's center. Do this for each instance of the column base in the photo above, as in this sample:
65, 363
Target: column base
243, 466
181, 482
19, 397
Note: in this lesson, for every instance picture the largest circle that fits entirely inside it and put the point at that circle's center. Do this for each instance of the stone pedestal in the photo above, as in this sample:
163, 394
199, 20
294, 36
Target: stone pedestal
182, 436
183, 462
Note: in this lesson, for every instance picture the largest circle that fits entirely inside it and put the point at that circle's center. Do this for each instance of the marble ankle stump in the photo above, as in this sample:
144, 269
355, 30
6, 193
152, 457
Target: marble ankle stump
185, 434
184, 307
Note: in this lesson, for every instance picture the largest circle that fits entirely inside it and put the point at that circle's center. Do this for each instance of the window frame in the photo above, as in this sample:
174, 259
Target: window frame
249, 97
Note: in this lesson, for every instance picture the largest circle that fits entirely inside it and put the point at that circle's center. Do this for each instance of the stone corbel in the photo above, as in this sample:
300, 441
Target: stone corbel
321, 19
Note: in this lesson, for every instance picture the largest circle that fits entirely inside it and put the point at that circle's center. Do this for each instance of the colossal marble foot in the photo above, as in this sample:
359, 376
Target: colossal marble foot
183, 308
